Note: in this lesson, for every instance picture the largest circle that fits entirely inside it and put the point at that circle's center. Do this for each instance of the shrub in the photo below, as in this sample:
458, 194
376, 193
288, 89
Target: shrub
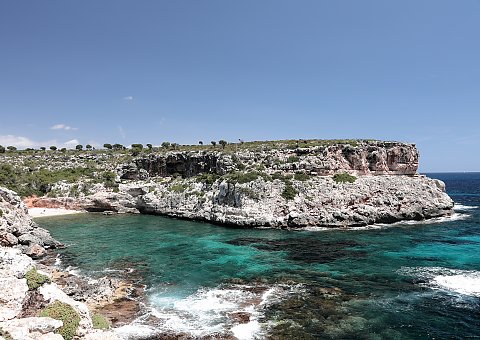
53, 148
100, 322
63, 312
301, 176
107, 146
344, 178
293, 159
178, 187
246, 177
35, 279
2, 149
289, 191
207, 178
223, 143
5, 335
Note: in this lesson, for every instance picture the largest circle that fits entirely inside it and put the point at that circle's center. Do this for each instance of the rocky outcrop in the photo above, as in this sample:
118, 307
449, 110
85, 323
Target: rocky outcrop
319, 201
15, 296
361, 158
19, 304
17, 229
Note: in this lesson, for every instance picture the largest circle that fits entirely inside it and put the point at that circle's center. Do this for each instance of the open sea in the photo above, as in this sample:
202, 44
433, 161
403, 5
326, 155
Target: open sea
403, 281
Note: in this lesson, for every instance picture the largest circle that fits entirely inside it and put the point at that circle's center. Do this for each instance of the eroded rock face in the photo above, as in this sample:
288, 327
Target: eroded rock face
17, 229
363, 158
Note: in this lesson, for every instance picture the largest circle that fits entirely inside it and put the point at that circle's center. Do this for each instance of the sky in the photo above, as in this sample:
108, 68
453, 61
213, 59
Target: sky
116, 71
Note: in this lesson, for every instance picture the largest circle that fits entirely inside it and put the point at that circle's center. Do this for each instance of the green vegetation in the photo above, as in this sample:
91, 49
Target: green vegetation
344, 178
293, 159
35, 279
178, 187
2, 149
53, 148
289, 191
246, 177
1, 212
100, 322
79, 147
63, 312
223, 143
207, 178
107, 146
39, 182
5, 334
302, 176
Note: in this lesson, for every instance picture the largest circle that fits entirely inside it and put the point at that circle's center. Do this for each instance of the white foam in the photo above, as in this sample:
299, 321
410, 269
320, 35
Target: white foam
246, 331
464, 207
465, 282
207, 311
58, 260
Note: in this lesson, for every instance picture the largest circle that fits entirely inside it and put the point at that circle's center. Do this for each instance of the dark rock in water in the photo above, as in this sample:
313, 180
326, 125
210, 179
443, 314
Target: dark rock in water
305, 250
240, 317
121, 311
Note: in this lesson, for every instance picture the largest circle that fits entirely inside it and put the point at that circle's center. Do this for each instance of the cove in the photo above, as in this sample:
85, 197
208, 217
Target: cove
404, 281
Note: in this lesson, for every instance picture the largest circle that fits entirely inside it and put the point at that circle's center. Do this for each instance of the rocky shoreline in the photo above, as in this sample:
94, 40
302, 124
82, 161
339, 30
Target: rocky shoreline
30, 282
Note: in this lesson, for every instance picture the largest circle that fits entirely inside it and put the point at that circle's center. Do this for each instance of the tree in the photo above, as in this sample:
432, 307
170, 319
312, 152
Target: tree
149, 146
79, 147
137, 146
200, 142
63, 149
118, 146
213, 143
89, 147
165, 145
43, 148
53, 148
175, 146
2, 149
11, 148
223, 143
107, 146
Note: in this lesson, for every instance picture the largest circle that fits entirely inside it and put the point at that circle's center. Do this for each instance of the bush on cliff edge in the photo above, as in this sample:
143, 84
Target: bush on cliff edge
65, 313
35, 279
344, 178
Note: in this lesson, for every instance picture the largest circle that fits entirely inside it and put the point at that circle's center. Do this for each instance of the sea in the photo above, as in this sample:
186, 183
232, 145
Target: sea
404, 281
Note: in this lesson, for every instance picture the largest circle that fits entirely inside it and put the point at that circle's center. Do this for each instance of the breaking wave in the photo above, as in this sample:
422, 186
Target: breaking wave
465, 282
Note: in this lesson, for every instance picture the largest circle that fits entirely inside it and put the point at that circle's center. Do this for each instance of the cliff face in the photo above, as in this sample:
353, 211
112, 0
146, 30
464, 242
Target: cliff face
17, 228
275, 187
363, 158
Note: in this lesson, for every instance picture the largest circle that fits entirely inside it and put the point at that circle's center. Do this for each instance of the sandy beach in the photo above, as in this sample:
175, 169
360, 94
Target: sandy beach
45, 212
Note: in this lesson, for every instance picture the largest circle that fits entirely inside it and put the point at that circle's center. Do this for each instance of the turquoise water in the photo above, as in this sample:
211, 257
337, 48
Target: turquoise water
410, 281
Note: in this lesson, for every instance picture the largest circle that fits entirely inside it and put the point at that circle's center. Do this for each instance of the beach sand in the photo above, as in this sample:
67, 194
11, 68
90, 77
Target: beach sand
45, 212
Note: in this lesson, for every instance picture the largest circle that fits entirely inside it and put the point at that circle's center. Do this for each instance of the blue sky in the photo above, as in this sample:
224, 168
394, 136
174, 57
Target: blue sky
184, 71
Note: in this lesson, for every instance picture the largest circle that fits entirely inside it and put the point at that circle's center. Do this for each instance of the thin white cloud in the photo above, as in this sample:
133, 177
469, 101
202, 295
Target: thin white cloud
17, 141
72, 142
21, 142
121, 132
62, 127
128, 98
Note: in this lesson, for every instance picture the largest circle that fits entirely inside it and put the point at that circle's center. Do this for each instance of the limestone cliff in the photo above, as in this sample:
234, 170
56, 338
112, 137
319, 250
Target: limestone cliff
362, 158
280, 187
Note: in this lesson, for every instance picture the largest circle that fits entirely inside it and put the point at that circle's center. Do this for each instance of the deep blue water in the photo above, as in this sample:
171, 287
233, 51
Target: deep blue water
408, 281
